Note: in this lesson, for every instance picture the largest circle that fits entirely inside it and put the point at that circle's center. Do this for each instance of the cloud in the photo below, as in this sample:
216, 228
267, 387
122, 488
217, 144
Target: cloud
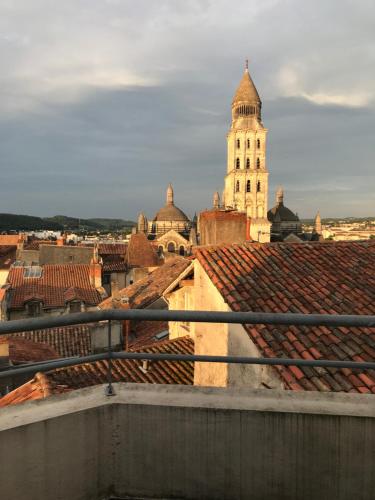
102, 103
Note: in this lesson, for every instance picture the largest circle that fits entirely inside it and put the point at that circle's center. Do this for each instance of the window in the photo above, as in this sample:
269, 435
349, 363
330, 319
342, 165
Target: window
171, 247
33, 308
248, 163
238, 144
75, 306
238, 163
182, 250
248, 187
258, 143
248, 144
237, 186
258, 163
258, 187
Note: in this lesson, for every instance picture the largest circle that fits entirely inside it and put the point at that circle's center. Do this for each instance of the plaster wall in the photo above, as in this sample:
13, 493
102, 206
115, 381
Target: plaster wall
151, 441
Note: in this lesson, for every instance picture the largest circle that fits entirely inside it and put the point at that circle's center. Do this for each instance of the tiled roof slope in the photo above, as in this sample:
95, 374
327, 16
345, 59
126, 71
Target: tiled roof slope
76, 377
7, 255
144, 333
113, 249
141, 252
324, 278
26, 351
52, 285
67, 341
144, 292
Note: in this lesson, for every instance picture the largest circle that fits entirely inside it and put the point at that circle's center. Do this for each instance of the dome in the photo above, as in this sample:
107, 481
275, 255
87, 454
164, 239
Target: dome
170, 213
280, 213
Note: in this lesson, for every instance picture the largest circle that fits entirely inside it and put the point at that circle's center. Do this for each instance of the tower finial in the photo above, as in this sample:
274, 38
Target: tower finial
246, 64
170, 194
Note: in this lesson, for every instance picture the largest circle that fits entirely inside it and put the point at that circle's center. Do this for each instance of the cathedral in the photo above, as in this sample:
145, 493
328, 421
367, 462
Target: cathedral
242, 213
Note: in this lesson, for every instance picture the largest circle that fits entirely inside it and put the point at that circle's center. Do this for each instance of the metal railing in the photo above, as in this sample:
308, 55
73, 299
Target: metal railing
253, 318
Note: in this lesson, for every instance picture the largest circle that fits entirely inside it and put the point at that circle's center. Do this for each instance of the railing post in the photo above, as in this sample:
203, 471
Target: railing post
109, 391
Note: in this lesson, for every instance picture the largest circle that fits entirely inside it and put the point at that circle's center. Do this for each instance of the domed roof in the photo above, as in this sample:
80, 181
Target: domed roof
280, 213
246, 91
170, 212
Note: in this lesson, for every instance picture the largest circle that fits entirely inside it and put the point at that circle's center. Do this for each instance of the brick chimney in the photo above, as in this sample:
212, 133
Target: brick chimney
96, 269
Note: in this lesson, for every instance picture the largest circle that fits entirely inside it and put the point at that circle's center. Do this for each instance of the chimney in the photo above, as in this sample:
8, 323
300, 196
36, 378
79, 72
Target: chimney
114, 287
95, 269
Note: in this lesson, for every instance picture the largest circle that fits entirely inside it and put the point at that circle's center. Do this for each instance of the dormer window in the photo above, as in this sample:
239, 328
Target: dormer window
238, 163
248, 163
34, 308
75, 306
248, 187
238, 144
237, 186
258, 163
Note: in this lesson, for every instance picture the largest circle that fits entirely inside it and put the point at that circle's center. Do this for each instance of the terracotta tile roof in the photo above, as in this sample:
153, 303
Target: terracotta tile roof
141, 252
26, 351
113, 249
37, 388
76, 377
7, 255
52, 286
10, 239
329, 278
67, 341
144, 332
113, 263
148, 289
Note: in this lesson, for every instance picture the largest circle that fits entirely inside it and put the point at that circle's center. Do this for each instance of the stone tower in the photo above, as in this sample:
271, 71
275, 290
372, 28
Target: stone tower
246, 181
142, 223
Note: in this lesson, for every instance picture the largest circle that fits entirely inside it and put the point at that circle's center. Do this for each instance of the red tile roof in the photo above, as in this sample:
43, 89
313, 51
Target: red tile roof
67, 341
26, 351
144, 333
328, 278
52, 286
141, 252
7, 255
114, 264
113, 249
76, 377
147, 290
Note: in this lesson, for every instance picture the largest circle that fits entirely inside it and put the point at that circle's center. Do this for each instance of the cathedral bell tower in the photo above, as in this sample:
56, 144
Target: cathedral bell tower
246, 181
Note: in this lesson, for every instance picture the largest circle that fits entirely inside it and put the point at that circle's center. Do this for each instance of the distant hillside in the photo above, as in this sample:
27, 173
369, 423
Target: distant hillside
12, 222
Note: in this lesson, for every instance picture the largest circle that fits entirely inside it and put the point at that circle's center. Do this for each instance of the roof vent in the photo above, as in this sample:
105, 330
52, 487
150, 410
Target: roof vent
161, 335
146, 366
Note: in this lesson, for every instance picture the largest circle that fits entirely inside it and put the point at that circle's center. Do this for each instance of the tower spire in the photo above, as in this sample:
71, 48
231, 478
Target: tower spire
170, 194
246, 64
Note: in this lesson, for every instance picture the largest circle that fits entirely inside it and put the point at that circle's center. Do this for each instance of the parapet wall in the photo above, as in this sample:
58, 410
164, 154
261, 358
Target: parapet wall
189, 442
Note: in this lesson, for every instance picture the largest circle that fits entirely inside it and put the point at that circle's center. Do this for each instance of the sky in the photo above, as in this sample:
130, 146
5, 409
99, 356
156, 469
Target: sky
104, 102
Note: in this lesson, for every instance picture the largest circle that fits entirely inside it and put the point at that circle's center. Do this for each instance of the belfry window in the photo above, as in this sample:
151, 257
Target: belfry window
238, 144
237, 186
248, 144
258, 187
258, 163
238, 163
258, 143
248, 187
248, 163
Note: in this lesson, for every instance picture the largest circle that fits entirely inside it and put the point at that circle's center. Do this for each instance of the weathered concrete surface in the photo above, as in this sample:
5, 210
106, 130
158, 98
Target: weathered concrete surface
189, 442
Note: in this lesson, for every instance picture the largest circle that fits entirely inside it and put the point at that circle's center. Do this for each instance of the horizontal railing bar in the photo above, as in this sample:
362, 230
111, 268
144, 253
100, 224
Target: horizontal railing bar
52, 365
61, 363
189, 316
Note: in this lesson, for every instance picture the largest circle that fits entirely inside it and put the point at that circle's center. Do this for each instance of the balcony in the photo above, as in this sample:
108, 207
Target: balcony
184, 442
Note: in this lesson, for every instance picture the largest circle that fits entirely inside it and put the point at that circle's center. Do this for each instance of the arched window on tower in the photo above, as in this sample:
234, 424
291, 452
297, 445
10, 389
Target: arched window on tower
258, 163
238, 144
248, 163
248, 144
258, 187
248, 187
258, 143
237, 186
238, 163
